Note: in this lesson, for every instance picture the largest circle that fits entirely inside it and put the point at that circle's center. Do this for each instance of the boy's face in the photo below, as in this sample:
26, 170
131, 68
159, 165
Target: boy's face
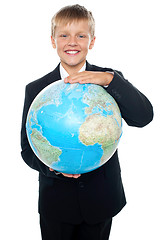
72, 42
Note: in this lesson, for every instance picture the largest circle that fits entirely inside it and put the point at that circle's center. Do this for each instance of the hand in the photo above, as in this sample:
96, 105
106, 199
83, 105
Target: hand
99, 78
68, 175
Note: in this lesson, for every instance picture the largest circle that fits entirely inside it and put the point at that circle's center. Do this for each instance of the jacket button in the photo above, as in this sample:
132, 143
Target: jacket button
81, 184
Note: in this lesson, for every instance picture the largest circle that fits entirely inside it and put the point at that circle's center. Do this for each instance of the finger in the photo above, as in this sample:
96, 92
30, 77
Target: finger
81, 75
86, 81
67, 175
51, 169
76, 76
66, 80
81, 79
76, 175
71, 175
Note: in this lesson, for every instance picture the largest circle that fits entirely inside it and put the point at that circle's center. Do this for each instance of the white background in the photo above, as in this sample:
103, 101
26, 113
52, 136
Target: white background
128, 40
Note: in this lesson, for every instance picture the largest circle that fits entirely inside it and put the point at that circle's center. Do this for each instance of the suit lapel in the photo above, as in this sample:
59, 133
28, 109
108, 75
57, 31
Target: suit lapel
55, 75
89, 67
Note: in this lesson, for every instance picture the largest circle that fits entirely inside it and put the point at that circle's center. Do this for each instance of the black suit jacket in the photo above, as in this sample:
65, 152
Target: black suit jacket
97, 194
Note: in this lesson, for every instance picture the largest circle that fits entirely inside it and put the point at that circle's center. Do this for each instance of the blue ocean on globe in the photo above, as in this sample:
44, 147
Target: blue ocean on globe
74, 128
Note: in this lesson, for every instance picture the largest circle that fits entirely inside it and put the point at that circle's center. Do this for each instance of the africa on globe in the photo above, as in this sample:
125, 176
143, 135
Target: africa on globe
74, 128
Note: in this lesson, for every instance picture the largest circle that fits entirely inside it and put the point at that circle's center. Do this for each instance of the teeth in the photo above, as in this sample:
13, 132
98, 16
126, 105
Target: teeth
72, 52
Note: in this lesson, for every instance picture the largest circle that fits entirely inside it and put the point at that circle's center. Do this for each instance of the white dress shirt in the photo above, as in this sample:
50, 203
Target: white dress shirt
65, 74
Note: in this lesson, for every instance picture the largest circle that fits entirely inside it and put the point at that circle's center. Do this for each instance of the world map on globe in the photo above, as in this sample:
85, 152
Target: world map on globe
74, 128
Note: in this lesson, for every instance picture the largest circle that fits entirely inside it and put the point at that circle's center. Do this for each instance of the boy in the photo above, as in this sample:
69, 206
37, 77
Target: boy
81, 207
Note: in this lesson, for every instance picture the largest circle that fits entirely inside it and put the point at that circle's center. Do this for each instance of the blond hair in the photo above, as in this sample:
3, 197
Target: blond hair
70, 14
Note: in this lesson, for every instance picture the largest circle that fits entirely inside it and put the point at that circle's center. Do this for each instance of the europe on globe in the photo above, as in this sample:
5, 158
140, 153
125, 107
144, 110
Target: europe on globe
74, 128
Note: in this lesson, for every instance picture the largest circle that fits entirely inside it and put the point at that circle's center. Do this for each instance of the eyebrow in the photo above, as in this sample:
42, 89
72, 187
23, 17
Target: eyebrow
80, 32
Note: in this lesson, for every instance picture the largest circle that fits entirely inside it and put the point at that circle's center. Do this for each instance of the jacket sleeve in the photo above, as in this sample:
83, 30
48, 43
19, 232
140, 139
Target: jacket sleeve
27, 154
135, 108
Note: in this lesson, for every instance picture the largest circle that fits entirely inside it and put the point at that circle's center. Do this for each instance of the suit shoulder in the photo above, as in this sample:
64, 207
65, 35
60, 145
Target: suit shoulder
102, 69
97, 68
105, 69
39, 82
33, 88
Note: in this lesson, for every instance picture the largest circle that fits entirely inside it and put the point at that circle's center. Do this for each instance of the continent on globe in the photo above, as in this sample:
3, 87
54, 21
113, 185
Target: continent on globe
45, 150
74, 128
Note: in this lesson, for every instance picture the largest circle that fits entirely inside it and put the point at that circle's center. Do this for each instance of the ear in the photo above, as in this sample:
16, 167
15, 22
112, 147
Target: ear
53, 42
91, 45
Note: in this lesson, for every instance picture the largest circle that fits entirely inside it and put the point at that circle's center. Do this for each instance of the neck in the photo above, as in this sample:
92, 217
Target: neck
72, 69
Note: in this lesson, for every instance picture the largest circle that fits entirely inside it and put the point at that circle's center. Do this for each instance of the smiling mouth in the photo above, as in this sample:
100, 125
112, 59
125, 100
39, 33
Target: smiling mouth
70, 52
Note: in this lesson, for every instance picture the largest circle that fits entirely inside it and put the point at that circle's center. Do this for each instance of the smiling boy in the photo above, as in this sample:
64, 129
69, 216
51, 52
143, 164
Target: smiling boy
74, 206
73, 38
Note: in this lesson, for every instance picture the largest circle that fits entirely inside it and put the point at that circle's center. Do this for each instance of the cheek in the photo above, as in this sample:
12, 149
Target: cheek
60, 44
59, 48
85, 46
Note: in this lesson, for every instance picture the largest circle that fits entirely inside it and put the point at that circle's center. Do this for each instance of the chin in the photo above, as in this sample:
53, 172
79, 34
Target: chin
72, 64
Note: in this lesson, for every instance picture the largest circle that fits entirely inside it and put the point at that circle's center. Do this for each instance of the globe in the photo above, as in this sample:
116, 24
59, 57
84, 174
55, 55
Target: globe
74, 128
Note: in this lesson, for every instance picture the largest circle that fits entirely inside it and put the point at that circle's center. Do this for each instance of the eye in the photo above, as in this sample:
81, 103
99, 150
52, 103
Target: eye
63, 35
81, 36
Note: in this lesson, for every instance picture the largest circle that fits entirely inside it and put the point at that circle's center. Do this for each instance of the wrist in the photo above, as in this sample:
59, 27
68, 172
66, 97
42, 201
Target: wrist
108, 78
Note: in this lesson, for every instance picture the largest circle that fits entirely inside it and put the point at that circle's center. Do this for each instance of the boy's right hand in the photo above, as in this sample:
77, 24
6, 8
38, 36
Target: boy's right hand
67, 175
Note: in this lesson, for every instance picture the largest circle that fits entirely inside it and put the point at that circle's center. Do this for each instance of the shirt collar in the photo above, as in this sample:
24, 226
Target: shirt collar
64, 73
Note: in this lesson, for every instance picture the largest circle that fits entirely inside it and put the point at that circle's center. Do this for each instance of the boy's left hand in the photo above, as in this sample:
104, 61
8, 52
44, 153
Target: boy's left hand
67, 175
99, 78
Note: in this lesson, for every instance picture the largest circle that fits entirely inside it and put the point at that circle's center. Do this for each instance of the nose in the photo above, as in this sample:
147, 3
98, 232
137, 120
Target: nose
72, 41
